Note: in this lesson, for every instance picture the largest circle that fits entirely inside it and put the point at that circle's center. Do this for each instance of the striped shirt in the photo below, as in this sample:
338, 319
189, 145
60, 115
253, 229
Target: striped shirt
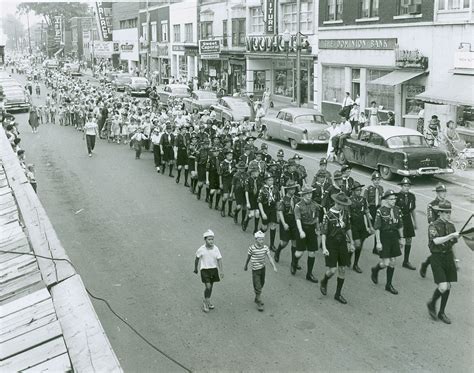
257, 256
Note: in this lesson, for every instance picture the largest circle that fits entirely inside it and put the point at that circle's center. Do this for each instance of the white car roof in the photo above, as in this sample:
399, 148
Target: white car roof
389, 131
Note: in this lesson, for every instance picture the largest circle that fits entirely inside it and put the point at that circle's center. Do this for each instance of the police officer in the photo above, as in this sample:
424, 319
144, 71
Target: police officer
265, 156
442, 236
268, 198
286, 214
281, 159
373, 194
323, 164
406, 201
389, 231
307, 222
432, 215
335, 233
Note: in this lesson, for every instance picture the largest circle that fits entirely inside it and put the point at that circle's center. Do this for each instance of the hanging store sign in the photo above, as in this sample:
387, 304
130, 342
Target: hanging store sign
209, 46
464, 59
410, 59
58, 29
270, 17
274, 44
104, 19
177, 48
381, 44
103, 48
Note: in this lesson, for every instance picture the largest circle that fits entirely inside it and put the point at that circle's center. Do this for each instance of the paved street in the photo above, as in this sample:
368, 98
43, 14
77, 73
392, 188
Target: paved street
132, 235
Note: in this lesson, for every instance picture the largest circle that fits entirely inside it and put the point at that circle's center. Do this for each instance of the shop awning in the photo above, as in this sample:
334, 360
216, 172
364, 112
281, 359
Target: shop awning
457, 90
397, 77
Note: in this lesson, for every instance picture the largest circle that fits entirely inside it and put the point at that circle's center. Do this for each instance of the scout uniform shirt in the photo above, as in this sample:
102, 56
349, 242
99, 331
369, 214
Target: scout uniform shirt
307, 212
239, 181
335, 225
227, 169
440, 228
346, 185
388, 219
431, 213
238, 148
358, 210
268, 197
373, 195
406, 202
261, 165
287, 206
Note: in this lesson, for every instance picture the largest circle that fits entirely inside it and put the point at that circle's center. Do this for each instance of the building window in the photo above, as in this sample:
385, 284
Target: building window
383, 95
256, 20
164, 31
290, 16
369, 8
206, 30
144, 31
238, 32
154, 34
334, 10
259, 81
410, 6
224, 33
188, 32
453, 4
176, 33
333, 84
412, 105
182, 67
128, 23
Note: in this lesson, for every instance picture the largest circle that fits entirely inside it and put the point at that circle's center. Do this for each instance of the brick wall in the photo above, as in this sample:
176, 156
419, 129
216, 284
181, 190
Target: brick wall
122, 11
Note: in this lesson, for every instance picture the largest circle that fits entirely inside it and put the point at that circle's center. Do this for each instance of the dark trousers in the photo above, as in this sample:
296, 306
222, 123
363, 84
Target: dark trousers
90, 141
157, 155
258, 279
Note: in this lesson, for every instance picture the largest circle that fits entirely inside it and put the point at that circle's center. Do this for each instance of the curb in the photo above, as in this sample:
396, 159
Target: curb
455, 182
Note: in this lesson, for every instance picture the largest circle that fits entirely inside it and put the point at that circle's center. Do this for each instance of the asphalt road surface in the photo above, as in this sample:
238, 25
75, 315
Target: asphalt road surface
133, 233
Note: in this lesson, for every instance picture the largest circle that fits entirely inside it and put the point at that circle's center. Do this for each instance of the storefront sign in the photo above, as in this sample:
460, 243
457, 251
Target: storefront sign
58, 29
464, 59
273, 44
410, 59
209, 46
270, 17
103, 48
177, 48
382, 44
104, 19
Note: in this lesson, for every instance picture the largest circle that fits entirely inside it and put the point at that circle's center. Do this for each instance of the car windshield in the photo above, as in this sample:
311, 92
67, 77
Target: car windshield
308, 119
180, 90
406, 141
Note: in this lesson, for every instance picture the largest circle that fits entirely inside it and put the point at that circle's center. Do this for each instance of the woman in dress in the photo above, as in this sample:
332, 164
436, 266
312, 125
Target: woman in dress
373, 114
33, 119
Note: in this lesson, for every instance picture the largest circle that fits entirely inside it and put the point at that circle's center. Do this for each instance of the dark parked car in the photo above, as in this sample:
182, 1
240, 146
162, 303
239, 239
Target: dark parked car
121, 81
395, 150
137, 86
172, 91
200, 100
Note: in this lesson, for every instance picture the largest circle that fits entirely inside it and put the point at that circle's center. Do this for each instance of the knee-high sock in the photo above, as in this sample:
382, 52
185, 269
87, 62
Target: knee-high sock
272, 237
171, 170
210, 198
229, 207
256, 221
444, 301
357, 252
340, 283
244, 215
436, 295
186, 175
218, 198
390, 271
406, 256
310, 263
179, 174
326, 278
207, 194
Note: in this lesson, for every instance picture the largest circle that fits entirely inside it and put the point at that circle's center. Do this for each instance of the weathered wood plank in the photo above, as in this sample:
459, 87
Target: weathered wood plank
19, 261
14, 273
24, 302
30, 340
16, 247
60, 363
35, 356
88, 346
24, 329
26, 316
17, 286
24, 292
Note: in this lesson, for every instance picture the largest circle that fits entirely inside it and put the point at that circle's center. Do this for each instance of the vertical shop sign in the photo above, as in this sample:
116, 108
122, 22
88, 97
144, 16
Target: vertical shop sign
270, 17
58, 29
104, 14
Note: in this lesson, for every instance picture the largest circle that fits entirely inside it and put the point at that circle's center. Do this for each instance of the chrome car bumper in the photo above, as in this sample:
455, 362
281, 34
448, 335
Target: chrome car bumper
314, 142
17, 106
425, 171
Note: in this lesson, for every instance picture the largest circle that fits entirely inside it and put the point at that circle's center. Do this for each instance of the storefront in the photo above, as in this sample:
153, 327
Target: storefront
272, 64
126, 41
183, 62
160, 66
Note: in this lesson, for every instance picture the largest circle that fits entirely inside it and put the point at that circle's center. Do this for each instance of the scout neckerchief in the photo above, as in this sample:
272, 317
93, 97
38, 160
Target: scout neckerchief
271, 197
377, 196
339, 215
229, 164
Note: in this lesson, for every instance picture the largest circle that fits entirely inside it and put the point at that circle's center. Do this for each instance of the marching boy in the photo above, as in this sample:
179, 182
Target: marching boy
209, 259
256, 256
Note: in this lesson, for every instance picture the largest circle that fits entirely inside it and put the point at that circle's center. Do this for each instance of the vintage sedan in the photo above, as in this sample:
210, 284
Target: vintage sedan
395, 150
121, 81
16, 98
200, 100
137, 86
172, 91
297, 126
232, 109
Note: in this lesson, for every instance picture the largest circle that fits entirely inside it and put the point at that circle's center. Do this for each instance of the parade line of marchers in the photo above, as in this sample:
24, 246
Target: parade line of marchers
333, 212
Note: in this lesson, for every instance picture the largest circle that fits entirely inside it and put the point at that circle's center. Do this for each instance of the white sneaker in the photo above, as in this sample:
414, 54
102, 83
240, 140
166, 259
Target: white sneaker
90, 155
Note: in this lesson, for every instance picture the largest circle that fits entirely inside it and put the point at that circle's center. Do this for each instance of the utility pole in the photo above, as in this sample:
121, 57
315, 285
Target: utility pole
148, 41
298, 53
29, 36
93, 48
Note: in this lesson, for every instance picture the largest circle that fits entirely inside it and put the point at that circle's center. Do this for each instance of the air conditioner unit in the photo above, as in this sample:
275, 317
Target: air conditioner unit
414, 9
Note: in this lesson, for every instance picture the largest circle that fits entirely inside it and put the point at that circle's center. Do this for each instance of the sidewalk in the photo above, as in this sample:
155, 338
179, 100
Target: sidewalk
461, 178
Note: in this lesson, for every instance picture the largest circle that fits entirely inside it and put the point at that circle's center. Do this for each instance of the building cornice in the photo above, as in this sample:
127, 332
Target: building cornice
394, 25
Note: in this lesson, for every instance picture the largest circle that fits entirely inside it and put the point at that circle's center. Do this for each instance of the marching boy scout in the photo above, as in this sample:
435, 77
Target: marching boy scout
406, 201
256, 256
373, 194
336, 232
442, 236
268, 198
209, 259
389, 232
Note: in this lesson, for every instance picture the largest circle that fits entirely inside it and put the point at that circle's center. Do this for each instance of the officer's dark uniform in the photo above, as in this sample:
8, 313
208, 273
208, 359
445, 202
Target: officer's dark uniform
442, 260
335, 226
407, 203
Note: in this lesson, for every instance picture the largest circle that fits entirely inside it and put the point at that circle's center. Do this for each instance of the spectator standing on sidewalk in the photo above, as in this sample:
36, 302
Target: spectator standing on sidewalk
33, 119
256, 256
91, 130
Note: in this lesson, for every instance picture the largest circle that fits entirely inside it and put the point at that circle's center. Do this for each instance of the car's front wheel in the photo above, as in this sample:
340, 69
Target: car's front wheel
293, 144
385, 172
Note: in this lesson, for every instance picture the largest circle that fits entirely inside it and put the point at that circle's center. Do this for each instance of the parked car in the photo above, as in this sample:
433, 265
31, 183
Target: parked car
200, 100
72, 68
232, 108
51, 64
110, 77
173, 91
15, 98
121, 81
10, 83
395, 150
297, 126
137, 86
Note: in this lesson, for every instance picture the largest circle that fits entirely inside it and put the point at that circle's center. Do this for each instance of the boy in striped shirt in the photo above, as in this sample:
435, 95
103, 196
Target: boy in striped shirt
256, 256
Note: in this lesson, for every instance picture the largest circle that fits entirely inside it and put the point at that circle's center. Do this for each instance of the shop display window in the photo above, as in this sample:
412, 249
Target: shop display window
333, 84
383, 95
259, 81
412, 105
284, 83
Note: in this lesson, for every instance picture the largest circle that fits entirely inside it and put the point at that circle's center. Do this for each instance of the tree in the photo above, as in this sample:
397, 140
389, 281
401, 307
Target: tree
14, 29
51, 9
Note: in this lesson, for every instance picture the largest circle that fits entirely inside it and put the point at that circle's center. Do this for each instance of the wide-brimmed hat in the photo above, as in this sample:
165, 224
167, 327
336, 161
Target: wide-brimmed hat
357, 185
306, 190
291, 184
297, 156
404, 181
268, 175
389, 193
228, 151
345, 167
250, 138
341, 199
241, 165
443, 206
323, 161
440, 187
337, 175
375, 175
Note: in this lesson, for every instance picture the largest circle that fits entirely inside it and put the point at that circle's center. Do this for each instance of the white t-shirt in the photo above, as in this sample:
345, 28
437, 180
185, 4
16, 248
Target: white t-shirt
208, 257
90, 128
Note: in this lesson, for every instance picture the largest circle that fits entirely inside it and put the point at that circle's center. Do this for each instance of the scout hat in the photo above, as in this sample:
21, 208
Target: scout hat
291, 184
306, 190
241, 165
259, 234
337, 175
250, 138
291, 162
443, 206
268, 175
341, 199
280, 153
375, 175
229, 151
345, 167
389, 193
323, 161
404, 181
357, 185
440, 188
297, 156
264, 146
208, 233
253, 168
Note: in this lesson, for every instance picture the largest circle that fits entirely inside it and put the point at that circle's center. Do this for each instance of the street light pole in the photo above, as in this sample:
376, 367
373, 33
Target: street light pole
298, 54
29, 36
148, 41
